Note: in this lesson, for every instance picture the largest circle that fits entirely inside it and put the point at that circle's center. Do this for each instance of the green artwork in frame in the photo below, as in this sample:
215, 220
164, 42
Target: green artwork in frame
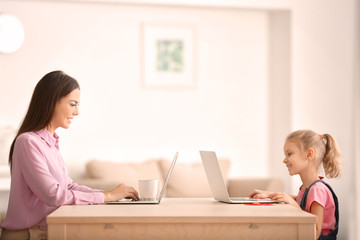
170, 56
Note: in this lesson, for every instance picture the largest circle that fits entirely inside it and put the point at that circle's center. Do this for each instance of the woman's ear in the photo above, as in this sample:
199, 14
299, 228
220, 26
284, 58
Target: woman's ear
310, 154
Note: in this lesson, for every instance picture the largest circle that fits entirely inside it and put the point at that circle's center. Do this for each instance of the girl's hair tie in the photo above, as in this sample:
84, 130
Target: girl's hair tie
323, 139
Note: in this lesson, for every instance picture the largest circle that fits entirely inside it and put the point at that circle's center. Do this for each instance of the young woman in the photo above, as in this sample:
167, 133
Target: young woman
305, 151
39, 180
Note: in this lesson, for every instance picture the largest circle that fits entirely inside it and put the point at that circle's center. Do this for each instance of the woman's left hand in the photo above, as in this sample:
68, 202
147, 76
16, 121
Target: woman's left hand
119, 192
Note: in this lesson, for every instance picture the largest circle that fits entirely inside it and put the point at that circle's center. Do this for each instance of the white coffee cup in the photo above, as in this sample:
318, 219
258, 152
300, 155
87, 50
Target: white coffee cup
148, 189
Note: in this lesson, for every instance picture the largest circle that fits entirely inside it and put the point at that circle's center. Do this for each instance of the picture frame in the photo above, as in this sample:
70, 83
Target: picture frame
168, 58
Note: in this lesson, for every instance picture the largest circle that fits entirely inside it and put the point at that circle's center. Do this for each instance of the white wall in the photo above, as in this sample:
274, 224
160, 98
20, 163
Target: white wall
323, 80
356, 109
99, 45
233, 108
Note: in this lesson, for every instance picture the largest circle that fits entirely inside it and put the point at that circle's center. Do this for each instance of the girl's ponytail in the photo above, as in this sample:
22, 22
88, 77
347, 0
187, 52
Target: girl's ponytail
331, 160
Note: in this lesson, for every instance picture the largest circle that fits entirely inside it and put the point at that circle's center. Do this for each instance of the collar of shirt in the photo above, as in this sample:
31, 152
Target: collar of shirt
52, 141
303, 190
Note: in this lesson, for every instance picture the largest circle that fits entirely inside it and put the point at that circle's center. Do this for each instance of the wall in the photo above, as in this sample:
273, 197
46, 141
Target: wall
324, 67
99, 45
234, 109
356, 109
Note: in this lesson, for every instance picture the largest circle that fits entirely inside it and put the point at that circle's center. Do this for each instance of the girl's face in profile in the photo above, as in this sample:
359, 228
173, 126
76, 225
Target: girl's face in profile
295, 159
65, 110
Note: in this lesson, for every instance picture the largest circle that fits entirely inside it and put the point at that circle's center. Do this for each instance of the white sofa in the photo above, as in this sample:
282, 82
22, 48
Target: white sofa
187, 179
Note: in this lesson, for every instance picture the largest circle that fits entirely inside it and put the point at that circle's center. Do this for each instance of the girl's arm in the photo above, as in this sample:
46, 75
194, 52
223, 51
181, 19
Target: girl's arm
266, 194
293, 196
285, 198
318, 210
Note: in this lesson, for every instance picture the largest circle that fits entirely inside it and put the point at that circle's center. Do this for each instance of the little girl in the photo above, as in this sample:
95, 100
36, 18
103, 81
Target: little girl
305, 151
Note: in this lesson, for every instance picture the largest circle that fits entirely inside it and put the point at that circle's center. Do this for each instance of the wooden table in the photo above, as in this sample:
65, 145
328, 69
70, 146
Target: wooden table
181, 218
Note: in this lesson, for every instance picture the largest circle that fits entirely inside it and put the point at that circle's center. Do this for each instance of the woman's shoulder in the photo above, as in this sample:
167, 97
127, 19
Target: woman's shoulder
28, 137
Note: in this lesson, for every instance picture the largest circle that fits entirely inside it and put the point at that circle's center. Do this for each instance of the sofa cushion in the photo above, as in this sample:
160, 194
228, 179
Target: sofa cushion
189, 179
128, 173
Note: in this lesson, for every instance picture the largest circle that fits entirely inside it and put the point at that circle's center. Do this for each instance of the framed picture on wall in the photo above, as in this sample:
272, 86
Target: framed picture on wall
168, 56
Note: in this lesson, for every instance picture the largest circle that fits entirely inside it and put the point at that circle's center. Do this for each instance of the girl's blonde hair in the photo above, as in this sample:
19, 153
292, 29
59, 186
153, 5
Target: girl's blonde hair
326, 149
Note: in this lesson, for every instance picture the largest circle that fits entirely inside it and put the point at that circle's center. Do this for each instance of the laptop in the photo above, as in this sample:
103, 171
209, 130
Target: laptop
217, 183
158, 199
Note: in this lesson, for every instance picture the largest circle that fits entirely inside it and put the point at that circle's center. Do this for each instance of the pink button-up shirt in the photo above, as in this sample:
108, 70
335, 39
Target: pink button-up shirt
40, 183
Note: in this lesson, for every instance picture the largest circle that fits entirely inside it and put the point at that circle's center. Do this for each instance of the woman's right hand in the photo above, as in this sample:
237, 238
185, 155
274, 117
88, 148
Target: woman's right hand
119, 192
259, 194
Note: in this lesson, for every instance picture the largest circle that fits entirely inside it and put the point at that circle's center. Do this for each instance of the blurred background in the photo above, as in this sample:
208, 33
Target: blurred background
259, 70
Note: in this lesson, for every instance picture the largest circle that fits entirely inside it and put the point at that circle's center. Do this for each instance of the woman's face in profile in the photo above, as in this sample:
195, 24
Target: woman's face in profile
65, 110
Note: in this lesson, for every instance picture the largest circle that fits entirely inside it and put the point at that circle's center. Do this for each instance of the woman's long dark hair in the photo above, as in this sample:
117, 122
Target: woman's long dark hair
48, 91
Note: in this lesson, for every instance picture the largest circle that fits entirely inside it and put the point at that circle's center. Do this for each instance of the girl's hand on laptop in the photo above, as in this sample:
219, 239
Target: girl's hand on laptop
283, 197
259, 194
119, 192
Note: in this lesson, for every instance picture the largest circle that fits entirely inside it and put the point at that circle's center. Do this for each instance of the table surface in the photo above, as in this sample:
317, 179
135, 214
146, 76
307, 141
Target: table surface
204, 210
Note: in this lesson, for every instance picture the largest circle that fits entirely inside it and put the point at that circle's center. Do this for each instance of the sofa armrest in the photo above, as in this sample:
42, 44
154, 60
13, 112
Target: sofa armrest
241, 187
101, 184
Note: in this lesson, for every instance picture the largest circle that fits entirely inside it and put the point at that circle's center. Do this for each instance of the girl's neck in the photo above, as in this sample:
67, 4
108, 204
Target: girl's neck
308, 178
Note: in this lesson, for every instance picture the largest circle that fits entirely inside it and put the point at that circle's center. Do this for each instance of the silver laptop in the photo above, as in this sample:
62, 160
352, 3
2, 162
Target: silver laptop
158, 199
217, 183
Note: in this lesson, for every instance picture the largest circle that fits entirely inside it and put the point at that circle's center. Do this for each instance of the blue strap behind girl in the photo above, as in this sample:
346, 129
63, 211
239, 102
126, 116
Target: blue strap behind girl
332, 235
